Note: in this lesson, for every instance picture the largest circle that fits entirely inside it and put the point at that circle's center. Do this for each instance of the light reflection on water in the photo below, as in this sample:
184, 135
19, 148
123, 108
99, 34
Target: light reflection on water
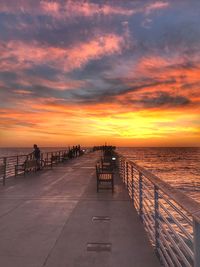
178, 166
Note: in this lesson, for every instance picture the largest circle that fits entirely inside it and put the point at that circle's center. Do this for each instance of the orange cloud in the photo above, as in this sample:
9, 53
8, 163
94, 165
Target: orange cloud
149, 101
22, 92
20, 55
156, 6
88, 9
61, 83
177, 69
50, 7
44, 120
70, 9
66, 10
157, 83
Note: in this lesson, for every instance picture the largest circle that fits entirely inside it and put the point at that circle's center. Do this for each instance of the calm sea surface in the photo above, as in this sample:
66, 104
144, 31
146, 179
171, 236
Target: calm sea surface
178, 166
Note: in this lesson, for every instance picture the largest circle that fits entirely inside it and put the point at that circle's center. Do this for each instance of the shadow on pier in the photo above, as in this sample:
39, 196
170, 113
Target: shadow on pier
55, 218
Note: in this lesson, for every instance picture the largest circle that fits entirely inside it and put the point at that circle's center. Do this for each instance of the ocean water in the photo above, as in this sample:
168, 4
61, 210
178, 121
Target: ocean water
178, 166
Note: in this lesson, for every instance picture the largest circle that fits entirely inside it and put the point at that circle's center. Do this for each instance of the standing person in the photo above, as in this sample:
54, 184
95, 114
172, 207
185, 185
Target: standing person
76, 151
73, 151
36, 154
79, 150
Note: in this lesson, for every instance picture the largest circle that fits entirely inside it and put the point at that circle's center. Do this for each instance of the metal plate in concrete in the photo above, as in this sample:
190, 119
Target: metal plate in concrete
100, 219
98, 247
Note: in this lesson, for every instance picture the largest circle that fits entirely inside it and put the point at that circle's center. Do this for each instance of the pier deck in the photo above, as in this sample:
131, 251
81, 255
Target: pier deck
47, 219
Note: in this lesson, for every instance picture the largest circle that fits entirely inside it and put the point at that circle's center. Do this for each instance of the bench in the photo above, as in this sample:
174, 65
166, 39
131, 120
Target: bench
105, 178
106, 165
3, 173
28, 165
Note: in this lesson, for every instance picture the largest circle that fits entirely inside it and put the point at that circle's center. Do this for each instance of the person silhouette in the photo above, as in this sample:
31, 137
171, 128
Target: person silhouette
36, 154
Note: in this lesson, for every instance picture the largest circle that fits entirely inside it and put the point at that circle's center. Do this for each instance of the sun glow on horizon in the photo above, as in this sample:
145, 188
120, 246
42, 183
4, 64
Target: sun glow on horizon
122, 72
142, 128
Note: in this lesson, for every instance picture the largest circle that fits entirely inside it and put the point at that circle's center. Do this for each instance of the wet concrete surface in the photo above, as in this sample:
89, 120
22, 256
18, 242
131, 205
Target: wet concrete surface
47, 219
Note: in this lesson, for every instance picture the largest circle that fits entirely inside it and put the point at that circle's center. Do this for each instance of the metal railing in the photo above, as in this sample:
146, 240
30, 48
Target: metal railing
7, 164
171, 219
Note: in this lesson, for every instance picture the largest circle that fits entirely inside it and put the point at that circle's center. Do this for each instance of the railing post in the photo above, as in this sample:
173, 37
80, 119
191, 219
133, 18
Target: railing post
132, 184
126, 175
41, 160
156, 217
16, 167
196, 229
123, 170
4, 173
120, 167
140, 196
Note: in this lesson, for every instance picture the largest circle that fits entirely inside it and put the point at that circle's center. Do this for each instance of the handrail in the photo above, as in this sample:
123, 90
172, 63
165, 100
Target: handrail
171, 218
25, 155
187, 203
8, 163
14, 156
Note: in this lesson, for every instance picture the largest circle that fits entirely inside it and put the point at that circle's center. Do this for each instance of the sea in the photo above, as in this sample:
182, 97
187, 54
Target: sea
179, 166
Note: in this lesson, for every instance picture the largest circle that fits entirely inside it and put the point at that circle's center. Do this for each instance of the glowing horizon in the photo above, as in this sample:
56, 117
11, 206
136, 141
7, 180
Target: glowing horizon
89, 72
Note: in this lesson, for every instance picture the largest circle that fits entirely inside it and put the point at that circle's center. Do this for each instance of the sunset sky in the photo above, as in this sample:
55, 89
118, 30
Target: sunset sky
125, 72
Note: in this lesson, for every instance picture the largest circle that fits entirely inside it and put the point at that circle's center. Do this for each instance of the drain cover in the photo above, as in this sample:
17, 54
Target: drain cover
99, 247
101, 218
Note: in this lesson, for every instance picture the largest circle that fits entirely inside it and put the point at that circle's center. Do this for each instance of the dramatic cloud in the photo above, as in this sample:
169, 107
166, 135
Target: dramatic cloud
156, 6
24, 55
162, 99
71, 8
99, 70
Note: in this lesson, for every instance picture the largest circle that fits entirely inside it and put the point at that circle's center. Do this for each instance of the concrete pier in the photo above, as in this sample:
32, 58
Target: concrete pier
55, 218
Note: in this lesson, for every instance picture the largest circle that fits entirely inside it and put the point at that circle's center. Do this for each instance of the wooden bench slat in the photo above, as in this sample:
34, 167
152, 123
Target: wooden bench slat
104, 177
